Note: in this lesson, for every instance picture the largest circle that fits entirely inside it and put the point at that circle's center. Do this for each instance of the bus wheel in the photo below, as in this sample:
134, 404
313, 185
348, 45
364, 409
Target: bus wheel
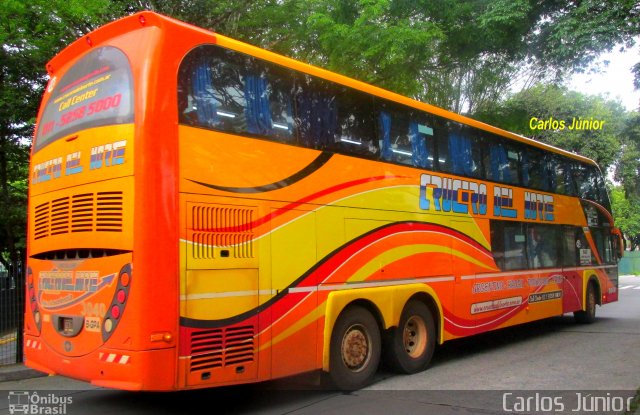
411, 344
355, 349
588, 316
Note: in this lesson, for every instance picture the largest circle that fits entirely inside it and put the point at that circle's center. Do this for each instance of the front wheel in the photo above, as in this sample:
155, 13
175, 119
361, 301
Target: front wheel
588, 315
411, 344
355, 349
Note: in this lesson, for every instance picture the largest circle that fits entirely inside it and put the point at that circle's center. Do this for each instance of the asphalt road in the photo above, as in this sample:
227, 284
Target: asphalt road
553, 364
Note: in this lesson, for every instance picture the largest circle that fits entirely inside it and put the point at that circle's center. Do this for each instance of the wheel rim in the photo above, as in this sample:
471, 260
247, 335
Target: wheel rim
356, 348
415, 336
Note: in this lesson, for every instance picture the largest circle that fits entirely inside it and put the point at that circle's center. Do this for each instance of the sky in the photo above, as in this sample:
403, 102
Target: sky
616, 80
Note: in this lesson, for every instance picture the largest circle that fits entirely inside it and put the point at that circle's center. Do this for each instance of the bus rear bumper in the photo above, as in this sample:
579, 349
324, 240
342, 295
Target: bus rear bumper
151, 370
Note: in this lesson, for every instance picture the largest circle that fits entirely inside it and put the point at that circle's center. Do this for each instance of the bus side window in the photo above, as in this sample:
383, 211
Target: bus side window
504, 162
422, 145
466, 153
542, 246
225, 90
356, 129
224, 97
444, 162
197, 100
585, 181
497, 243
514, 246
535, 170
576, 250
282, 115
268, 110
508, 245
395, 144
604, 244
216, 89
405, 137
590, 184
316, 114
602, 196
569, 249
563, 179
280, 93
608, 252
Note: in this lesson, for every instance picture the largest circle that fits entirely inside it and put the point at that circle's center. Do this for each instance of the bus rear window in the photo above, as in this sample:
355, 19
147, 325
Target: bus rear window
96, 91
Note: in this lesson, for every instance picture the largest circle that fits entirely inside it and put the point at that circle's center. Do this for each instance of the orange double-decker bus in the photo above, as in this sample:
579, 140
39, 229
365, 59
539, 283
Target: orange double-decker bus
203, 212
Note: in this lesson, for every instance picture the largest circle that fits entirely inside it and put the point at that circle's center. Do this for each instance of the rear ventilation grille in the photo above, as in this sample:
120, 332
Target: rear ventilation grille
87, 212
222, 227
219, 348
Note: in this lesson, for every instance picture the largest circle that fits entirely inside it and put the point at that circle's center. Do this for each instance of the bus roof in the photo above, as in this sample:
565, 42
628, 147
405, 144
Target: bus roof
148, 18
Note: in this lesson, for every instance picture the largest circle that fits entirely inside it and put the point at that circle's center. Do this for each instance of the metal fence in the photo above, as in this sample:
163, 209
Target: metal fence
11, 314
630, 263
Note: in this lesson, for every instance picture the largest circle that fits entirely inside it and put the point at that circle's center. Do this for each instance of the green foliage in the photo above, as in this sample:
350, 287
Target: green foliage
627, 213
31, 32
547, 102
459, 55
374, 41
628, 167
575, 32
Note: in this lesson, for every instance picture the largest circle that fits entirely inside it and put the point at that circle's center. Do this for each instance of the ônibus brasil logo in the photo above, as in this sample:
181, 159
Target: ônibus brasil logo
34, 403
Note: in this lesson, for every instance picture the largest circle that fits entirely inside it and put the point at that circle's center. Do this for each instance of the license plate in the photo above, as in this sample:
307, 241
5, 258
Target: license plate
92, 324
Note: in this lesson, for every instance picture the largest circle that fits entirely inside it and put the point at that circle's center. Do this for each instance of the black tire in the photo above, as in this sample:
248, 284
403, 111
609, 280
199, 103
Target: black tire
588, 316
410, 346
355, 349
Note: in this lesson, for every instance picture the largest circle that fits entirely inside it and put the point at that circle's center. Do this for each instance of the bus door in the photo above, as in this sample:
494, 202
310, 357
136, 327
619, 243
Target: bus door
500, 293
575, 253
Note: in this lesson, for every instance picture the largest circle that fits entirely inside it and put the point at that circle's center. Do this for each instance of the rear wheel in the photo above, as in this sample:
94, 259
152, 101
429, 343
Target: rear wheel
411, 344
355, 349
588, 315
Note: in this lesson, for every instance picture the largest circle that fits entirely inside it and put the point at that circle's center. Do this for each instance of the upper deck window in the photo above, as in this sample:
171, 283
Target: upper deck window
406, 137
232, 92
224, 90
97, 90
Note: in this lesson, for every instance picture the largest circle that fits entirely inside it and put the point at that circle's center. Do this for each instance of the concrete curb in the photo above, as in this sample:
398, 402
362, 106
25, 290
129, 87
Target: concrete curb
18, 372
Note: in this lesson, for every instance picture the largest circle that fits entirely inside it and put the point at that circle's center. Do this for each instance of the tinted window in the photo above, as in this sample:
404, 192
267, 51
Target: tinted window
227, 91
535, 170
279, 91
508, 245
590, 184
561, 180
215, 90
576, 250
406, 136
96, 91
604, 244
543, 246
443, 159
466, 152
504, 162
224, 90
355, 126
316, 112
569, 249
